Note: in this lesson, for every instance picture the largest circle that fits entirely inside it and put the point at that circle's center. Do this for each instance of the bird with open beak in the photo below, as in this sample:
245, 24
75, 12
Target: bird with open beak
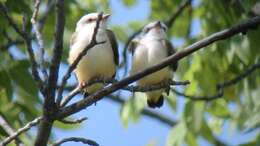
101, 60
147, 50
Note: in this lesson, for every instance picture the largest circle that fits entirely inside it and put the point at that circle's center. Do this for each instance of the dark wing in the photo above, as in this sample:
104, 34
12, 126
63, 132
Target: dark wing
114, 45
170, 51
133, 44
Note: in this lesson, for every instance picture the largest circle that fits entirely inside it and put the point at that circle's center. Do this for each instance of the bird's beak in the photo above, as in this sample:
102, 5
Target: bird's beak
105, 16
158, 24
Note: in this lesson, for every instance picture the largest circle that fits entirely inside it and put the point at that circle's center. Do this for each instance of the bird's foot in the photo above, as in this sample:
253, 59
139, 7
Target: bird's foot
81, 85
85, 94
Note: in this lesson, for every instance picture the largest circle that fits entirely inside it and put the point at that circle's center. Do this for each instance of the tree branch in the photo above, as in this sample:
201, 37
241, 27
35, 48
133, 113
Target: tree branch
174, 16
76, 139
39, 37
130, 88
92, 43
77, 121
42, 19
220, 87
226, 33
49, 107
21, 130
9, 130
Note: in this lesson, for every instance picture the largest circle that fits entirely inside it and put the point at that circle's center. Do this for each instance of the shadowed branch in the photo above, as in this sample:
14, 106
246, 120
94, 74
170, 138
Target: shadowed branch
49, 106
130, 88
76, 139
27, 127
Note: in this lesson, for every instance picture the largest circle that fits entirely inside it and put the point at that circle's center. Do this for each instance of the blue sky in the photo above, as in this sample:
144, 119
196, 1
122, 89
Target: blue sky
104, 125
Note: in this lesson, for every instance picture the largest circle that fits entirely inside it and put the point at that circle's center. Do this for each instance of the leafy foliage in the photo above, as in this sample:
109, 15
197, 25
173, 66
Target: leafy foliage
20, 100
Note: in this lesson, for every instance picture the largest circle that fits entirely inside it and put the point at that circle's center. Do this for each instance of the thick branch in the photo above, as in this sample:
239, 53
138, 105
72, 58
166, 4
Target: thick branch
220, 87
130, 88
76, 139
21, 130
243, 27
49, 106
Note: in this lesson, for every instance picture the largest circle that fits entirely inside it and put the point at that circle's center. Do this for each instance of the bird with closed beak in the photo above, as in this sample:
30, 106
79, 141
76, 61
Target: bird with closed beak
149, 49
101, 60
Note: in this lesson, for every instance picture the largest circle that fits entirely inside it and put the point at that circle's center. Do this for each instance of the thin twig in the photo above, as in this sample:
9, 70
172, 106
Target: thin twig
130, 88
226, 33
45, 14
39, 37
21, 130
77, 121
220, 87
9, 130
177, 13
49, 106
27, 40
92, 43
76, 139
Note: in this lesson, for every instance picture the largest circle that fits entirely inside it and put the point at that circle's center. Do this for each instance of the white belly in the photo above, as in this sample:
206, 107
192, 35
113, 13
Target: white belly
146, 56
98, 63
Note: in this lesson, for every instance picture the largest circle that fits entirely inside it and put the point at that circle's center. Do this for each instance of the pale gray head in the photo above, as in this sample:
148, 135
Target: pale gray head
156, 28
90, 20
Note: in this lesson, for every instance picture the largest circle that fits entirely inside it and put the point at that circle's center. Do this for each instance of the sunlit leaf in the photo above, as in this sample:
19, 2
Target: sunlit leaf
176, 135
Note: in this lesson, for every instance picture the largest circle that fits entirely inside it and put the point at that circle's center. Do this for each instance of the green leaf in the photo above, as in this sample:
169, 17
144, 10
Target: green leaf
23, 79
193, 115
4, 100
22, 7
63, 126
5, 83
206, 132
129, 3
191, 139
132, 108
219, 108
177, 135
171, 101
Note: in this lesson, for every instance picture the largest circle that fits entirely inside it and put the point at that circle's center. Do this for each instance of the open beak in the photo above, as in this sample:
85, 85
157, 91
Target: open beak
105, 16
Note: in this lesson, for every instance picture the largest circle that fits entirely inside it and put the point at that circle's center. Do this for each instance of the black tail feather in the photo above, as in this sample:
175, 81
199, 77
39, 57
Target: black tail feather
158, 103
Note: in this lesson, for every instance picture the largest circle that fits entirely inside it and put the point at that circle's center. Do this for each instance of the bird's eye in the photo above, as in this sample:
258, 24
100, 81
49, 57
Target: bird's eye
90, 20
147, 30
164, 28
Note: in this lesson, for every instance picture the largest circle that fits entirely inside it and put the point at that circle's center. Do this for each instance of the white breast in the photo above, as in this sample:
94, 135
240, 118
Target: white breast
99, 60
150, 52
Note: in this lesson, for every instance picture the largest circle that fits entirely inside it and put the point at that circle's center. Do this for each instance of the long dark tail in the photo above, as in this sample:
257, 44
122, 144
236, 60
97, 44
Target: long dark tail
153, 104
